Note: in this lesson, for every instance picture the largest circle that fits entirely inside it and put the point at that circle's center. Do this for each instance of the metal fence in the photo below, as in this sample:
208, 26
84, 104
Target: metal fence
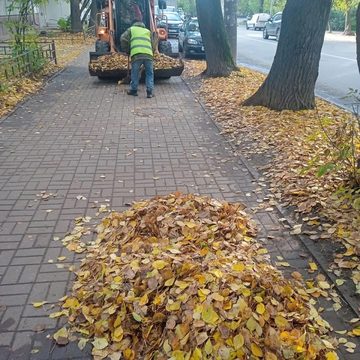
12, 67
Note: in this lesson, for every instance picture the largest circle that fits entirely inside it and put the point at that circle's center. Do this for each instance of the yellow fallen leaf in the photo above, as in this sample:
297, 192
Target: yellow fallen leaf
313, 266
190, 224
159, 264
260, 308
270, 356
339, 282
281, 322
208, 347
100, 343
61, 336
39, 304
238, 341
255, 350
82, 343
209, 315
238, 267
118, 334
72, 303
196, 354
324, 285
143, 300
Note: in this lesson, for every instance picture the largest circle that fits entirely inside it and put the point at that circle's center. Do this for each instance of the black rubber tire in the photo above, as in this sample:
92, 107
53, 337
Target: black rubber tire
247, 28
165, 48
265, 34
102, 47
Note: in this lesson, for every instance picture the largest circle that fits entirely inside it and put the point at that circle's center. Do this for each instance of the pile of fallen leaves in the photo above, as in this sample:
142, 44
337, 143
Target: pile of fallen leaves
182, 277
162, 61
110, 62
296, 141
119, 61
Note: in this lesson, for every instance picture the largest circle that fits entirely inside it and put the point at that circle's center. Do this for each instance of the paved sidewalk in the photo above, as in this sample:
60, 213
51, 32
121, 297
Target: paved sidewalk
80, 136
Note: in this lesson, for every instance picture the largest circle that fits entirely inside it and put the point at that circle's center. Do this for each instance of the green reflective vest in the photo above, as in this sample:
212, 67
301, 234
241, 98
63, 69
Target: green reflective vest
140, 41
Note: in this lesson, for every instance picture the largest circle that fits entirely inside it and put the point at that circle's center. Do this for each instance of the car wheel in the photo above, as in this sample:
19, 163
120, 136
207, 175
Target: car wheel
265, 34
277, 34
247, 28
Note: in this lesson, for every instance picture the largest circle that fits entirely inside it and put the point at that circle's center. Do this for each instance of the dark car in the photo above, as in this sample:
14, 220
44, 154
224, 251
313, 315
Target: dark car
190, 40
273, 27
172, 22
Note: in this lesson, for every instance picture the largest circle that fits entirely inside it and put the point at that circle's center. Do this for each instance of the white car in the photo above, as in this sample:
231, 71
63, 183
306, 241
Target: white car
257, 22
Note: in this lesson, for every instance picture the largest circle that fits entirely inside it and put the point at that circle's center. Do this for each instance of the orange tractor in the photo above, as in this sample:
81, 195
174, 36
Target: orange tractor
115, 17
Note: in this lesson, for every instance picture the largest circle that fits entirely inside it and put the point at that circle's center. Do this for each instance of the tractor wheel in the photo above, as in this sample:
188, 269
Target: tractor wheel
102, 47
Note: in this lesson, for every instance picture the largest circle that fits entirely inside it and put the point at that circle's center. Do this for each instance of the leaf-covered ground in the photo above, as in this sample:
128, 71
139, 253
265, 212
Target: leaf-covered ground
183, 277
68, 47
298, 146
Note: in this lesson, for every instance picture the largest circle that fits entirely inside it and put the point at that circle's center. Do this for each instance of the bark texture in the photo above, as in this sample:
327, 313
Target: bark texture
219, 60
76, 25
261, 6
347, 30
358, 36
230, 20
93, 12
291, 80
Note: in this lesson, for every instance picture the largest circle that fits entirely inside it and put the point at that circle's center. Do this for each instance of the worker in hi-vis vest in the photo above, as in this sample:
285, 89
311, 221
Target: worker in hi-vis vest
138, 41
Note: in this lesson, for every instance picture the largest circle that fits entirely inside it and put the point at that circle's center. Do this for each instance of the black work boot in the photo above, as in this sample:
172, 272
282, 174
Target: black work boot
132, 92
149, 94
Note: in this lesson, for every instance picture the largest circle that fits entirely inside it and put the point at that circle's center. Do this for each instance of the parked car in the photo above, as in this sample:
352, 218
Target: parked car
158, 11
190, 40
172, 21
257, 21
273, 27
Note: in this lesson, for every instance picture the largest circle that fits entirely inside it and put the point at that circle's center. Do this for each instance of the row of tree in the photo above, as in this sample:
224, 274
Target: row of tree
290, 83
80, 9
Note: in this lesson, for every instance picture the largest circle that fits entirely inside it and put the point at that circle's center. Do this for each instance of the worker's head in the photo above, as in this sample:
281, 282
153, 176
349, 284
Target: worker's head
135, 21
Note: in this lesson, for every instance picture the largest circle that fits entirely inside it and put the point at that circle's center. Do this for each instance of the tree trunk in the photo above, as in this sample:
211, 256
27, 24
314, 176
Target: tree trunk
230, 20
75, 16
329, 27
261, 6
93, 12
291, 80
347, 30
219, 61
358, 36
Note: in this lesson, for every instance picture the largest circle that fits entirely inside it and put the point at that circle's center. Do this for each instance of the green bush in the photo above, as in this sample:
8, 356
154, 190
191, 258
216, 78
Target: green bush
337, 20
64, 24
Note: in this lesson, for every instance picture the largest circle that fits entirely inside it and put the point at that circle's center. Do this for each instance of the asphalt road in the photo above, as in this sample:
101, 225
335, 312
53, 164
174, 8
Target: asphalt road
338, 67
